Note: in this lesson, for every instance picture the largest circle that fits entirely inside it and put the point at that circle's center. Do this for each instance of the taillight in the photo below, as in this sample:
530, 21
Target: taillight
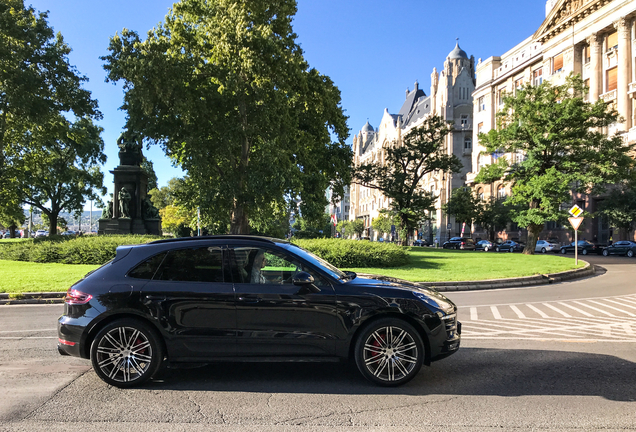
463, 243
75, 297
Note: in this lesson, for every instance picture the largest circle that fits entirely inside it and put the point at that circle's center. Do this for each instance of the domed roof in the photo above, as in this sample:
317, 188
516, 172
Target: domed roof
367, 127
457, 53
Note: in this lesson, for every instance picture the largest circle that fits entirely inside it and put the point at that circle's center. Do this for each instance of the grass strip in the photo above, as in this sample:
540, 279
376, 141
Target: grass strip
21, 277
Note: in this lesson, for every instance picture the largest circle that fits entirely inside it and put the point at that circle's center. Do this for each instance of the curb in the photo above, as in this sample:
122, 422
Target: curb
544, 279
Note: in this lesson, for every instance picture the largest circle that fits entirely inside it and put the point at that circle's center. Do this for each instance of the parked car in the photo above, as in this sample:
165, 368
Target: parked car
485, 245
544, 246
205, 299
621, 248
584, 247
510, 246
465, 243
69, 233
41, 233
421, 242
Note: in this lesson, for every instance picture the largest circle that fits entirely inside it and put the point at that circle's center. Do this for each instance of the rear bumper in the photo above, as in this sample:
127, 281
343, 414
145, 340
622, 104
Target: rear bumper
69, 336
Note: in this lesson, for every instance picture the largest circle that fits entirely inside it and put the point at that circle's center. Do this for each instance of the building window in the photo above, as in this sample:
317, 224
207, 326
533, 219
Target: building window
612, 41
501, 191
480, 126
586, 54
464, 120
482, 104
480, 194
557, 63
500, 96
611, 76
537, 77
518, 84
468, 143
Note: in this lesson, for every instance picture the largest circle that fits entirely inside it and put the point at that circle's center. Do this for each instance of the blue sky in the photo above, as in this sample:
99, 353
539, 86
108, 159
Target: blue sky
372, 49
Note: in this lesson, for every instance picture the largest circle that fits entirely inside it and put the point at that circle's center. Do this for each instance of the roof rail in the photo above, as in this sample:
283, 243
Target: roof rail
222, 237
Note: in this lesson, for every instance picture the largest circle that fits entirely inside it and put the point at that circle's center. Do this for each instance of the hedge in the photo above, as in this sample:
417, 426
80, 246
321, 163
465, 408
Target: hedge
356, 253
68, 250
101, 249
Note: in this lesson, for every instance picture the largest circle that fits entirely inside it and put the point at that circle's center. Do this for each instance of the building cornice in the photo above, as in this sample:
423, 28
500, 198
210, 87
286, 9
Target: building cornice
565, 14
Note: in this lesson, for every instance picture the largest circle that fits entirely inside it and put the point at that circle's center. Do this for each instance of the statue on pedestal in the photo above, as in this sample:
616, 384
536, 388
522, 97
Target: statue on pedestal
124, 202
129, 149
107, 213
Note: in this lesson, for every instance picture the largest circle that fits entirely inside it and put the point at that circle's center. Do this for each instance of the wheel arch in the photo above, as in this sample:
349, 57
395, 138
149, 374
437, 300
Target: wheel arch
90, 336
410, 320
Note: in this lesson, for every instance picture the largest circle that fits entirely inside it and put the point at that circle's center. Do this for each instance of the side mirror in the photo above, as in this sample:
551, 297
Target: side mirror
302, 278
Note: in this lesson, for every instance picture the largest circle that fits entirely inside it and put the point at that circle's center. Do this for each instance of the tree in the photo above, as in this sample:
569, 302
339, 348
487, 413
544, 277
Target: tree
149, 169
12, 216
36, 80
493, 214
234, 103
357, 226
384, 222
564, 150
176, 220
619, 207
464, 205
344, 228
421, 152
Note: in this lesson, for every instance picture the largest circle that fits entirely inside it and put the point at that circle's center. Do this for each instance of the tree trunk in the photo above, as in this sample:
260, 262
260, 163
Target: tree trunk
239, 223
52, 224
533, 235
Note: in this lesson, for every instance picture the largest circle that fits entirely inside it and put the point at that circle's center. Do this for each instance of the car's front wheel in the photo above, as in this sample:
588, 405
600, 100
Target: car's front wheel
486, 248
542, 250
498, 249
584, 251
563, 251
630, 253
126, 353
389, 352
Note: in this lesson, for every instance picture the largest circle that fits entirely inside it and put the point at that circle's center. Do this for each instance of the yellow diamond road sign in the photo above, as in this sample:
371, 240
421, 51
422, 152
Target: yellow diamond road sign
576, 211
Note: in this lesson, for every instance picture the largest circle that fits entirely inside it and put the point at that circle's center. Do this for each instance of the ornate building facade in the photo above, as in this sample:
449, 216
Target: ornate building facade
593, 38
450, 98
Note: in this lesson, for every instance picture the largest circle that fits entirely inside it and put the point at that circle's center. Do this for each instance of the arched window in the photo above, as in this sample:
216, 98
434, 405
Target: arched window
501, 191
480, 194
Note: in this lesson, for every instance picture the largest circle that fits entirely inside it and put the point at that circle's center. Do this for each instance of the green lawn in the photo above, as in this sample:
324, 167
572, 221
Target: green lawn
19, 276
427, 265
436, 265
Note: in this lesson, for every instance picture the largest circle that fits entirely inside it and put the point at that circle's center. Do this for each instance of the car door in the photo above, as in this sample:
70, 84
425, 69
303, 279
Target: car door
192, 298
274, 316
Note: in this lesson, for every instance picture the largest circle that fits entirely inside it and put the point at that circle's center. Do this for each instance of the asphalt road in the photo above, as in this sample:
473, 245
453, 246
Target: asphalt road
551, 358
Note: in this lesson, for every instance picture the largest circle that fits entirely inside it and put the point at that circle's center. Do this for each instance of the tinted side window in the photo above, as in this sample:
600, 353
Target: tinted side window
147, 269
193, 265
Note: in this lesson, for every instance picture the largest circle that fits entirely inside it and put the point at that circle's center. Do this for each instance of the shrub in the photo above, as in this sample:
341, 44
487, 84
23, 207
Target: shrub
354, 253
68, 250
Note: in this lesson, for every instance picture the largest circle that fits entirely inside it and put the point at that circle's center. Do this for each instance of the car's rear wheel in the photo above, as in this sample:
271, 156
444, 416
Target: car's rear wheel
584, 251
389, 352
498, 249
543, 250
126, 353
563, 251
511, 249
605, 252
486, 248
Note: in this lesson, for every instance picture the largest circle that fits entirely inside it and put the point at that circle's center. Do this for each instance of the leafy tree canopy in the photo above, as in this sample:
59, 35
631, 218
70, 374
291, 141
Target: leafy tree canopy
399, 178
564, 148
463, 204
223, 86
619, 207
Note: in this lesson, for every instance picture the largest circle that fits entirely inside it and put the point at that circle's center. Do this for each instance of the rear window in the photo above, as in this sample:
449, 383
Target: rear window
203, 264
148, 268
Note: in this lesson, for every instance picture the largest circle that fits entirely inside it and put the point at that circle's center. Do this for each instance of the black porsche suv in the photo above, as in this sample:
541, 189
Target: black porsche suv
246, 298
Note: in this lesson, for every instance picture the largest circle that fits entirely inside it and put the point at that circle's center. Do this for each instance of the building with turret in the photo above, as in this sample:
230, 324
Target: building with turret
451, 98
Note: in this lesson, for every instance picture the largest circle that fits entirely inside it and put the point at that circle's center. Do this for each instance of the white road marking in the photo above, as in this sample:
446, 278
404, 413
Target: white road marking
557, 310
612, 307
577, 309
539, 311
473, 313
27, 331
495, 312
593, 308
628, 329
517, 311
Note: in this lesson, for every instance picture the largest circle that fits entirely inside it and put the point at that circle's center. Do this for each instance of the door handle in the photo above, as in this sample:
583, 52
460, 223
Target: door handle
249, 300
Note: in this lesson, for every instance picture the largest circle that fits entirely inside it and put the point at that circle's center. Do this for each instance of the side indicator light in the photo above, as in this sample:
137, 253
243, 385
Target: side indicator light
65, 342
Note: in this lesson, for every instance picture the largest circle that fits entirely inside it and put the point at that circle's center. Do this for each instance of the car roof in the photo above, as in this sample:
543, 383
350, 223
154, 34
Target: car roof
177, 240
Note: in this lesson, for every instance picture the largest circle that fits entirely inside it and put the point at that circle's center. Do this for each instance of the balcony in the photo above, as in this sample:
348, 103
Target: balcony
609, 96
631, 89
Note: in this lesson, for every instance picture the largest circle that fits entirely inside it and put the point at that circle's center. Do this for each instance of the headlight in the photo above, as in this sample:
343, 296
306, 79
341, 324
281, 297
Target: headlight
435, 302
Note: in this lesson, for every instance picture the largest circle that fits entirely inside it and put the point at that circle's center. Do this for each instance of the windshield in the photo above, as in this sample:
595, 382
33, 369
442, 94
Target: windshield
316, 260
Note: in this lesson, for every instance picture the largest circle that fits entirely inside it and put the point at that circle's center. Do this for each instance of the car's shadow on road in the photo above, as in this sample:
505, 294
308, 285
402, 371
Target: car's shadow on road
472, 371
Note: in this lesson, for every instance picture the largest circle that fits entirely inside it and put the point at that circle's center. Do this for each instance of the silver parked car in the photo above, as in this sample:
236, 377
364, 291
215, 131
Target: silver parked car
544, 246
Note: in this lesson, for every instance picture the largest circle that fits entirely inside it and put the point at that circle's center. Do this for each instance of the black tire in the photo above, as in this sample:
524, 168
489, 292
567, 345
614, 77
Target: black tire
584, 252
497, 249
543, 250
126, 353
605, 252
485, 248
512, 249
389, 352
563, 251
630, 253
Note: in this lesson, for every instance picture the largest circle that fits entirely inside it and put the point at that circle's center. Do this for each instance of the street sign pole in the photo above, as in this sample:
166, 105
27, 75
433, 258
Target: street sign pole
576, 223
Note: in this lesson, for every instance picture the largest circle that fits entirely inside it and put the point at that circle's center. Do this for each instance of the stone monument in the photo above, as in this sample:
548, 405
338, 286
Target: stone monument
130, 211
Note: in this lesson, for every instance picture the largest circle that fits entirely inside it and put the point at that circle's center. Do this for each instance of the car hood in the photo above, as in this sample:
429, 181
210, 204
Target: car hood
387, 282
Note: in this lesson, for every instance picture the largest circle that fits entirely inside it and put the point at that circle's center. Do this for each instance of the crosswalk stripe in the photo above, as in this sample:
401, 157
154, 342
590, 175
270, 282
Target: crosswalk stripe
596, 309
612, 307
624, 304
576, 309
628, 329
539, 311
557, 310
473, 314
495, 312
517, 311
